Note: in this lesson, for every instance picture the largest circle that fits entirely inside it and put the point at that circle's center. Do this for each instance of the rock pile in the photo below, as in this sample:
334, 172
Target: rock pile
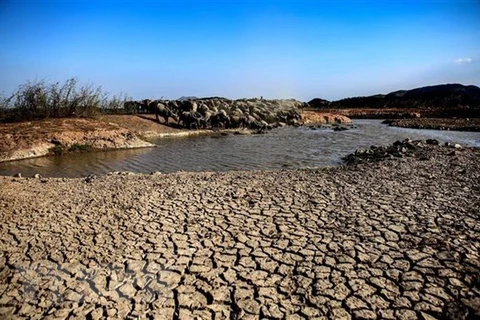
407, 148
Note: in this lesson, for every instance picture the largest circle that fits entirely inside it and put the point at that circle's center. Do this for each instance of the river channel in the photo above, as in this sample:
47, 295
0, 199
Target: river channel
278, 149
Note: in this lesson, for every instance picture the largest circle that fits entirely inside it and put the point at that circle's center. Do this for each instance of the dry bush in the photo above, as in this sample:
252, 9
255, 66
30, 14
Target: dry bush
39, 100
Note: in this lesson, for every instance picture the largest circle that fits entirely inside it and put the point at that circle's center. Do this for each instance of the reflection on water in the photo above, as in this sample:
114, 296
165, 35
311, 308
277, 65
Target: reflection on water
280, 148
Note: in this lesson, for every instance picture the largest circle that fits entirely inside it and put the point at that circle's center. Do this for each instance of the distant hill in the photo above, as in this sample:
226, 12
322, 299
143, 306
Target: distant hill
319, 103
183, 98
441, 97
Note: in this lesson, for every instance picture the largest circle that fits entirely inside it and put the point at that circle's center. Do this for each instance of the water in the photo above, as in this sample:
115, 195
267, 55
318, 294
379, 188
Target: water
278, 149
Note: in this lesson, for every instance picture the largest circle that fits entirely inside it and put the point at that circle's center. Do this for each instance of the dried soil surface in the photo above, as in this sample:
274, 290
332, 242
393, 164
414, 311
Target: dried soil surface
470, 124
394, 239
32, 139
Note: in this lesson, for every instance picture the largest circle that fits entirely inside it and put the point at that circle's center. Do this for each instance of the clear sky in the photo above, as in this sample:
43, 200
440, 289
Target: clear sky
275, 49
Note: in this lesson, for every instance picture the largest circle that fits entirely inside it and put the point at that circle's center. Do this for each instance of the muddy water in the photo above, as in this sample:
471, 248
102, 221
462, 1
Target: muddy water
279, 149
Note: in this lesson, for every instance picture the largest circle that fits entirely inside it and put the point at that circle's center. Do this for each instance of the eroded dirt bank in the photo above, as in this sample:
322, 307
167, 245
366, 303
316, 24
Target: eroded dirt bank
36, 138
395, 239
463, 124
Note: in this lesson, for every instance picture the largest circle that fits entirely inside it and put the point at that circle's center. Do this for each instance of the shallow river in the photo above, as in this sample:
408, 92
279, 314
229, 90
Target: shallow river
278, 149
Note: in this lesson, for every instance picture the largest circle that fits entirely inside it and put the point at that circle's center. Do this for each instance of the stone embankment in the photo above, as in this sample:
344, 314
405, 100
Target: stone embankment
391, 239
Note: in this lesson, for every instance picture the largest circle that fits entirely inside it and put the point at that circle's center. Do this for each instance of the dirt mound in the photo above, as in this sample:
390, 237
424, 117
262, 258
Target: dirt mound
315, 117
35, 138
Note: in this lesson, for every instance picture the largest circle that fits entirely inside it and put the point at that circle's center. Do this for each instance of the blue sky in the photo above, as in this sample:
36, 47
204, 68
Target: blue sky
275, 49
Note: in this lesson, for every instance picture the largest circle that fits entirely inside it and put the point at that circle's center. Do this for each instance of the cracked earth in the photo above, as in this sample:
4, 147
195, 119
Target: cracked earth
399, 239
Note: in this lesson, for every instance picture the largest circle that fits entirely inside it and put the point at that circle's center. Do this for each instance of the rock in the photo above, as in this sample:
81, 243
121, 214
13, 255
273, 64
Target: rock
399, 149
454, 310
17, 175
37, 176
457, 146
90, 178
243, 132
96, 314
55, 141
127, 290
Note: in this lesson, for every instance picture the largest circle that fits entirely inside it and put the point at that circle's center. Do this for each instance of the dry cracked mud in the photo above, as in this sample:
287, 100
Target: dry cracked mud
398, 239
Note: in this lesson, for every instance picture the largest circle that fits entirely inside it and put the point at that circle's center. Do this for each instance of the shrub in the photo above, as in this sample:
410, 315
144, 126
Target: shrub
40, 100
59, 149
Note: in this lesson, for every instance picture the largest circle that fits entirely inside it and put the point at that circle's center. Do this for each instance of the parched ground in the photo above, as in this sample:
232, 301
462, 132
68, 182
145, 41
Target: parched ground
398, 239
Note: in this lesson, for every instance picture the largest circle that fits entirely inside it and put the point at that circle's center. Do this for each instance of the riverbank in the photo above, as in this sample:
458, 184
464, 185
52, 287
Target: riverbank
397, 239
465, 124
32, 139
411, 118
375, 113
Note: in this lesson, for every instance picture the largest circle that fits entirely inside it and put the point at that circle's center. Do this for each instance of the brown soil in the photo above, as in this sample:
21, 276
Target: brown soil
372, 113
142, 125
22, 135
34, 138
394, 239
319, 117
